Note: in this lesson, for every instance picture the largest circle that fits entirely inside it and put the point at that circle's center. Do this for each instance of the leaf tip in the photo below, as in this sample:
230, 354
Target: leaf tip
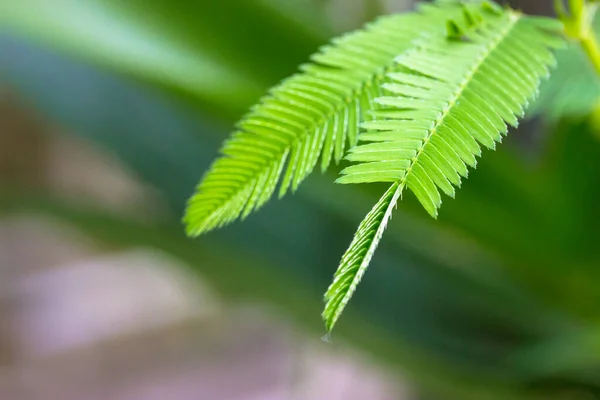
433, 213
327, 337
192, 230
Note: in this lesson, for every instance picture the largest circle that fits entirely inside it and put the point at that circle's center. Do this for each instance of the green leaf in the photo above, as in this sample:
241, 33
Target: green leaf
445, 99
315, 113
358, 256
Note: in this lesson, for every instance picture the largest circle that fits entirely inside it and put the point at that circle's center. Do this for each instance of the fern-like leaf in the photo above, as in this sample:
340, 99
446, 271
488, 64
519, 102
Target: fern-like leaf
454, 91
448, 98
356, 259
315, 113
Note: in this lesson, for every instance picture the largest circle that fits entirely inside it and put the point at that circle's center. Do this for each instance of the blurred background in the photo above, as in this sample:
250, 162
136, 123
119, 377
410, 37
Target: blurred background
110, 112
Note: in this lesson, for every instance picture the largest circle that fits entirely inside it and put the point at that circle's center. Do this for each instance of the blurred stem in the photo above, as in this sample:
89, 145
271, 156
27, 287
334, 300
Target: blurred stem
590, 46
578, 25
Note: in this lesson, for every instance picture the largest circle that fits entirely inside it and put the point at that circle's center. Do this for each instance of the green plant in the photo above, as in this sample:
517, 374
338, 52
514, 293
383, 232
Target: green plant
412, 96
486, 302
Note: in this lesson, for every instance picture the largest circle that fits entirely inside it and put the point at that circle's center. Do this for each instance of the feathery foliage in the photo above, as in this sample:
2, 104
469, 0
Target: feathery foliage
356, 260
414, 97
447, 98
449, 95
312, 114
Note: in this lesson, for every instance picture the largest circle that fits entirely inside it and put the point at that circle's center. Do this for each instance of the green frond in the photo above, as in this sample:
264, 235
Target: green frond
452, 92
449, 97
356, 259
314, 114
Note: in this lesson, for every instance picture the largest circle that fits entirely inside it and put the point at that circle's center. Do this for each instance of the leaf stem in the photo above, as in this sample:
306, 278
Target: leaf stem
578, 25
589, 43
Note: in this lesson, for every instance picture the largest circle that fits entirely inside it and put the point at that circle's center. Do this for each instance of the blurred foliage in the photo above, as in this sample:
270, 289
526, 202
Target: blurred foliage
495, 300
205, 50
573, 89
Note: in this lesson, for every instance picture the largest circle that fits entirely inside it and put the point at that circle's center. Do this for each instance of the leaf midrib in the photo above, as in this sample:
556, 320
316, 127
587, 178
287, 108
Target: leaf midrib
514, 17
368, 255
